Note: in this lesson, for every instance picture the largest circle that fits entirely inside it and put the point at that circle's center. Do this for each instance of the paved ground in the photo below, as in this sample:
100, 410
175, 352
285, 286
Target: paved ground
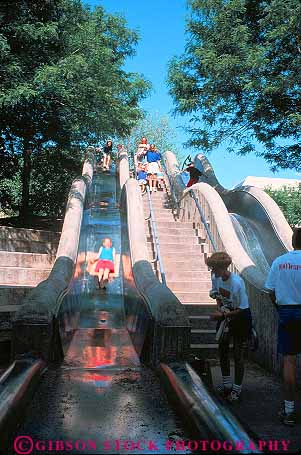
261, 400
101, 400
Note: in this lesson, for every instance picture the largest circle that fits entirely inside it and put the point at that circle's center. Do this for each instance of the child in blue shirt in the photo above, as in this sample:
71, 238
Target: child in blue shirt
106, 260
142, 177
153, 158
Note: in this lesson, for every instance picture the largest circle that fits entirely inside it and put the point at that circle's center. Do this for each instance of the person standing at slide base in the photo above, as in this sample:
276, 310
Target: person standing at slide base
284, 286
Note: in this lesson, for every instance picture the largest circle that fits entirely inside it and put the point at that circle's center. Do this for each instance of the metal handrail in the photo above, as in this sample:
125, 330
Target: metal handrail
198, 205
203, 219
173, 197
155, 237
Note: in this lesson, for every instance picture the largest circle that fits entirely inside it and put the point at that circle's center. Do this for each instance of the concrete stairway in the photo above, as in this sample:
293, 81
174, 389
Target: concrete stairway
183, 250
26, 259
29, 269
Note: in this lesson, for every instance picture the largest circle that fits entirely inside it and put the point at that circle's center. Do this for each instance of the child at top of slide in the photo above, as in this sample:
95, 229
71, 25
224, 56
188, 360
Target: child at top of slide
106, 262
107, 152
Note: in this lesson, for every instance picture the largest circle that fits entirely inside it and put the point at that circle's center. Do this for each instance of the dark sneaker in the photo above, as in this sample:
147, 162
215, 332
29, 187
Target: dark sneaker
223, 391
234, 396
287, 419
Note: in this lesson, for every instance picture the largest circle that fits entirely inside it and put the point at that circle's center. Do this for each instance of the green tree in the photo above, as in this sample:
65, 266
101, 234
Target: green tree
289, 200
239, 79
62, 82
158, 131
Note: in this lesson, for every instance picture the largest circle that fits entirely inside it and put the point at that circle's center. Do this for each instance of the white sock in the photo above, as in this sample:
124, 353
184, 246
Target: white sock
237, 388
289, 406
227, 382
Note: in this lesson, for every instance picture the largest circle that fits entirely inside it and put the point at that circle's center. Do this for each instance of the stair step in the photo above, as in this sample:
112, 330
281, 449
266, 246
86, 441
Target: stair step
158, 205
176, 232
25, 246
181, 239
162, 218
9, 308
189, 297
29, 235
200, 309
206, 352
22, 276
176, 263
202, 322
201, 331
174, 225
25, 260
204, 345
160, 212
191, 285
188, 275
177, 248
7, 313
203, 336
14, 295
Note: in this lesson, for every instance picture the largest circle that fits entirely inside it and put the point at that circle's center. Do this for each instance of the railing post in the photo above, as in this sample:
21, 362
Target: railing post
155, 237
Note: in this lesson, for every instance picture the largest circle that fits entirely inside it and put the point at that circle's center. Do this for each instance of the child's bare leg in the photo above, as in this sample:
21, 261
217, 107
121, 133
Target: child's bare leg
108, 161
100, 275
151, 182
106, 275
155, 183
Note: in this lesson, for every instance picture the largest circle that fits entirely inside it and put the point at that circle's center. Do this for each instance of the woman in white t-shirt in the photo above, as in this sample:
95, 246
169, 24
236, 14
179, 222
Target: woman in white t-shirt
142, 148
233, 307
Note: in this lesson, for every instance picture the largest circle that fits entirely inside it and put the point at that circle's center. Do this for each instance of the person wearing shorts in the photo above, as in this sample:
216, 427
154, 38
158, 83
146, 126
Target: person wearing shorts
142, 177
284, 285
153, 158
142, 148
105, 264
107, 152
229, 290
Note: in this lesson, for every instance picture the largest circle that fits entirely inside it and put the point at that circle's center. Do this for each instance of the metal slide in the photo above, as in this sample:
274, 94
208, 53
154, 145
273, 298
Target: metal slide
250, 227
101, 398
101, 395
257, 220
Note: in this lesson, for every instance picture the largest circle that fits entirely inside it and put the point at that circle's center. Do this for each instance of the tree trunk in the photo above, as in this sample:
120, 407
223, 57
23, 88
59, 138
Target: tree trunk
26, 172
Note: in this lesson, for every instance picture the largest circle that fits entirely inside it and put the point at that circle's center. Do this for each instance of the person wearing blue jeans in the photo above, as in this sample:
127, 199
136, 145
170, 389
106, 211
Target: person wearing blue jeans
284, 285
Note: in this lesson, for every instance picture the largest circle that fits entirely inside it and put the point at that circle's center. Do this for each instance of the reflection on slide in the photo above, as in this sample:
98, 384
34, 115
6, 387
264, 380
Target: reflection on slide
101, 391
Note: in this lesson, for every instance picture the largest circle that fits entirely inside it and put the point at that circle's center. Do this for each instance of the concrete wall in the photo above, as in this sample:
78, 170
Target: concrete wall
28, 240
36, 325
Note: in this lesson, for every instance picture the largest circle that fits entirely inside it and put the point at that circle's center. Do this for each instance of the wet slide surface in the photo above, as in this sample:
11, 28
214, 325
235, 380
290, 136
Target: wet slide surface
101, 396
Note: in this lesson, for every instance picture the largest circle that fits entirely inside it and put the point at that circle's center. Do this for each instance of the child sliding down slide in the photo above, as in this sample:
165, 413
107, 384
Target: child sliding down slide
105, 266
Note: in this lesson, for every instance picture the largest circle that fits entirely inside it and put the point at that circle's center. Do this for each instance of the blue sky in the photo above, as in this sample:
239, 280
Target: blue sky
161, 26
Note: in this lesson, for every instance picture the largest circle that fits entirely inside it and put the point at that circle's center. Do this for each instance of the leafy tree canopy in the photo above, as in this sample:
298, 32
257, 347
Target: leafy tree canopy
240, 77
289, 200
158, 131
62, 81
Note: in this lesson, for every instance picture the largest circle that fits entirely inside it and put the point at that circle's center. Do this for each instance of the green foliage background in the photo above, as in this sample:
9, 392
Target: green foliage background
158, 131
239, 79
289, 200
62, 87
